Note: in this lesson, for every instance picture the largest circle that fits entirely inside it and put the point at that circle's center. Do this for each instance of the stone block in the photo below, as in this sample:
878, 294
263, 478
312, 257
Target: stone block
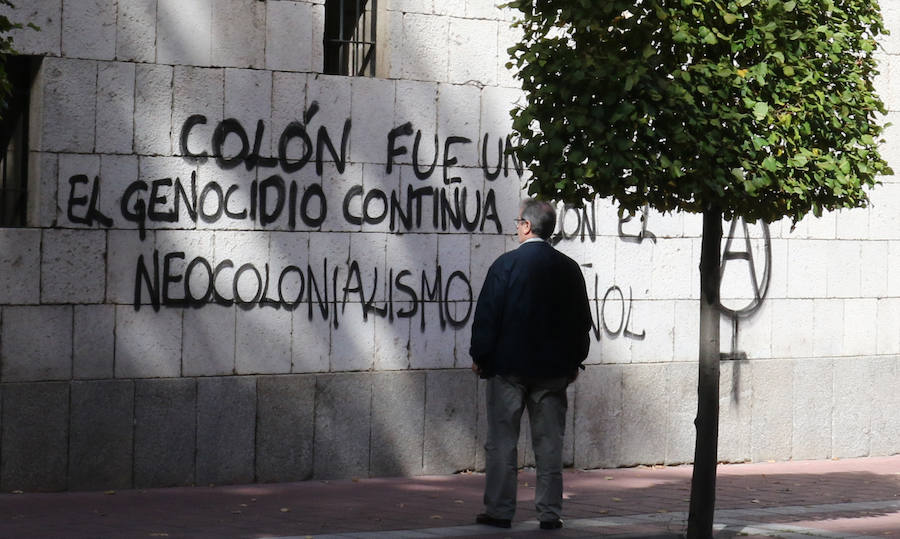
423, 37
20, 258
652, 326
450, 412
471, 39
263, 341
398, 423
771, 423
208, 341
165, 431
46, 14
248, 99
812, 409
117, 172
735, 410
288, 36
93, 343
90, 30
412, 6
288, 104
115, 107
73, 211
35, 426
226, 425
416, 103
392, 340
642, 439
284, 428
343, 425
888, 326
860, 327
124, 251
74, 268
828, 329
455, 8
353, 340
136, 31
885, 424
153, 109
333, 95
148, 342
875, 276
311, 340
506, 38
198, 90
68, 105
368, 252
239, 34
681, 394
844, 271
671, 259
893, 281
372, 109
792, 328
432, 345
853, 224
598, 416
101, 443
852, 409
687, 331
184, 32
337, 186
36, 343
458, 116
807, 265
43, 178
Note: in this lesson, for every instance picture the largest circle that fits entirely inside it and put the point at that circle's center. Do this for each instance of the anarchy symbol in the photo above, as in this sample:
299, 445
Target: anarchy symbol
759, 284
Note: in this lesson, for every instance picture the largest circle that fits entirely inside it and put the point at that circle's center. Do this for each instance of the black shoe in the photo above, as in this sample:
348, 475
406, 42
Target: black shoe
488, 520
551, 524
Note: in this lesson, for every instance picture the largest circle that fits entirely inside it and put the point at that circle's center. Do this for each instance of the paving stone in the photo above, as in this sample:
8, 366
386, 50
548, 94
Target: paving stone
226, 421
284, 427
343, 425
35, 434
101, 443
398, 423
165, 431
449, 421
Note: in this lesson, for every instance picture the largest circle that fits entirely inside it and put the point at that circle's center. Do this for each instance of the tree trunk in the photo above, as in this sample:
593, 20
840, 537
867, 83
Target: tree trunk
703, 483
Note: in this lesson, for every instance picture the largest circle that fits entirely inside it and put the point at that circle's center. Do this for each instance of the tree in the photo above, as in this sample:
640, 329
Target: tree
761, 109
7, 49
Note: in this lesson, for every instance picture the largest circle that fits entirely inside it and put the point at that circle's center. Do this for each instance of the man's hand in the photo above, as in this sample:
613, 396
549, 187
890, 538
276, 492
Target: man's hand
476, 369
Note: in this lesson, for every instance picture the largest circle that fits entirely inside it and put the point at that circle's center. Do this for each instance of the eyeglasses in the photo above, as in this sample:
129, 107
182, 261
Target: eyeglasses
519, 221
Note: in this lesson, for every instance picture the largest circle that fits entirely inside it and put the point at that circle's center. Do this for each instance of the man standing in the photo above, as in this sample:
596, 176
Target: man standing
529, 337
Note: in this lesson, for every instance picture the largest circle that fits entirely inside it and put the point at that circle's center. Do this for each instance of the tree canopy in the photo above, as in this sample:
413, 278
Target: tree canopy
762, 108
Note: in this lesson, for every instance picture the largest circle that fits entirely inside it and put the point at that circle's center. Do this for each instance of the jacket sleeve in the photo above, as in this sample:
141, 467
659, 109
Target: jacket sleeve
487, 321
584, 321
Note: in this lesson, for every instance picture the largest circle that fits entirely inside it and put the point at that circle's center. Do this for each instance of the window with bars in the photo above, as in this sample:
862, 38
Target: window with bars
14, 141
350, 45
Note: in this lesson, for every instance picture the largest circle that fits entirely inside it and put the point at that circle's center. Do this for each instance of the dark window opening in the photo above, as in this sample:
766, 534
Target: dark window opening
20, 71
350, 37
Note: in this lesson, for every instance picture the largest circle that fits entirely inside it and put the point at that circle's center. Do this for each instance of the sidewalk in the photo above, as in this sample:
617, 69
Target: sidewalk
843, 498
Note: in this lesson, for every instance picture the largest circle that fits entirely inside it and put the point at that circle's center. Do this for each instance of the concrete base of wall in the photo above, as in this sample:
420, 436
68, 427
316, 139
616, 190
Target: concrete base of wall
84, 435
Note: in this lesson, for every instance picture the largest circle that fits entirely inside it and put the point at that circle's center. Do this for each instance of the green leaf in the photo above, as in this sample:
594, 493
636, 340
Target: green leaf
760, 110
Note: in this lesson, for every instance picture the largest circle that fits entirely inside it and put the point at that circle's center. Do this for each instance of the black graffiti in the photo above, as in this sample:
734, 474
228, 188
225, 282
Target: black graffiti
92, 213
294, 132
643, 233
585, 224
614, 324
160, 201
326, 293
394, 149
448, 207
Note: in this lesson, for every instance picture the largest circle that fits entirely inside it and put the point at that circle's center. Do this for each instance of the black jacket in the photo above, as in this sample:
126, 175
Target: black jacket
532, 318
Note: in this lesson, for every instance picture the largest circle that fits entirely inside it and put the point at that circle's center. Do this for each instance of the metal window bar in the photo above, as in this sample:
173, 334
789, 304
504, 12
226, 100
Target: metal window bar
350, 37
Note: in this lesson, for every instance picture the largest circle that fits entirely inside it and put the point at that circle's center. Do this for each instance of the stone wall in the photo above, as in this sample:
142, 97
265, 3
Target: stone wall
238, 269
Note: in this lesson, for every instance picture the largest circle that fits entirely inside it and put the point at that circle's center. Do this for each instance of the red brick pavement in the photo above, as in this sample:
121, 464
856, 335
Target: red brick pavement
816, 497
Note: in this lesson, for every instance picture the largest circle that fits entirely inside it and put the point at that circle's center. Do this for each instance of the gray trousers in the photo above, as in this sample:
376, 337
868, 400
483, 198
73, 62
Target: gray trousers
546, 402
